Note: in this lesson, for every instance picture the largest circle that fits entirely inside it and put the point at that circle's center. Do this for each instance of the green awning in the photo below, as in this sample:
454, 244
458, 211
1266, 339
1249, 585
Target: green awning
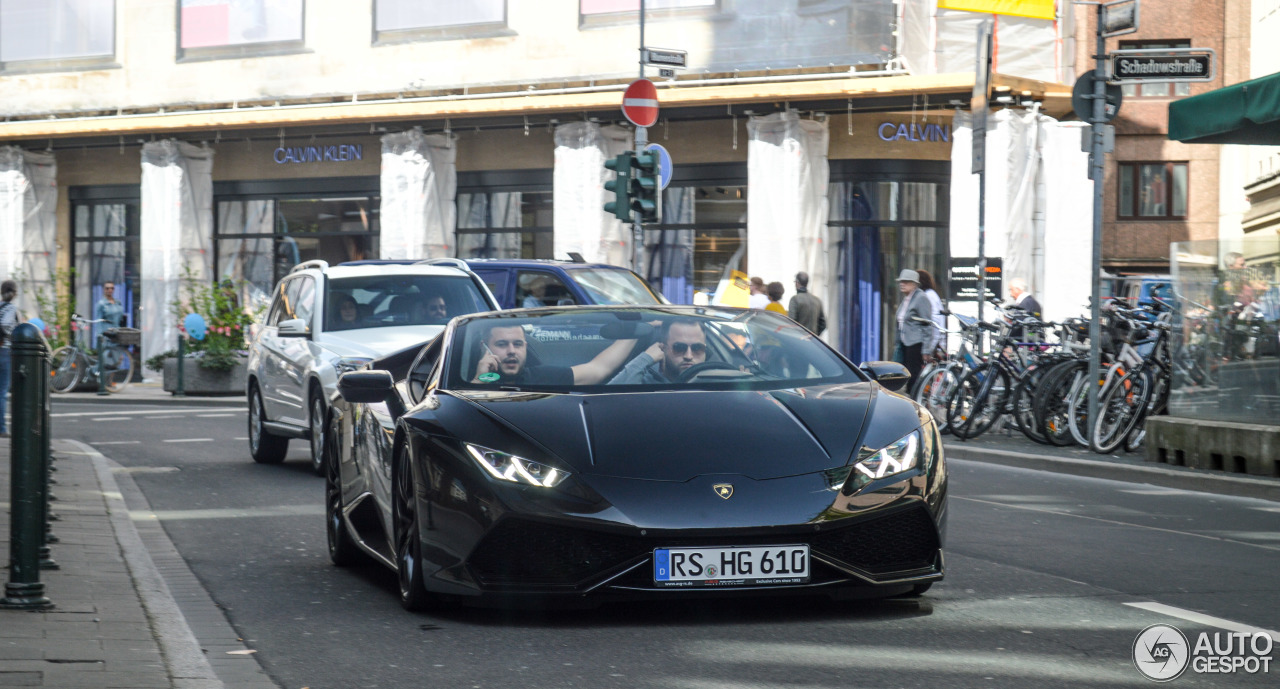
1244, 113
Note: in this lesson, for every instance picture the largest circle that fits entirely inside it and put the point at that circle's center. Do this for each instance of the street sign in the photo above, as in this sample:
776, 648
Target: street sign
665, 168
980, 103
1083, 106
640, 103
667, 73
664, 58
964, 278
1118, 18
1163, 64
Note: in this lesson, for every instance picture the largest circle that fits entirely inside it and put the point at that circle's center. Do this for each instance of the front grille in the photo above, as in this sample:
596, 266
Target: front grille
898, 542
533, 553
528, 553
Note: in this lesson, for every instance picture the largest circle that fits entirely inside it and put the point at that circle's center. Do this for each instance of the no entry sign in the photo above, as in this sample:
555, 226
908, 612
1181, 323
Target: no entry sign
640, 103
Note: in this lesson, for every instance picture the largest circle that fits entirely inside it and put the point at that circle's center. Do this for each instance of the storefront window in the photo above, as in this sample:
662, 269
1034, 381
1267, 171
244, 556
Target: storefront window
505, 224
229, 28
106, 249
56, 30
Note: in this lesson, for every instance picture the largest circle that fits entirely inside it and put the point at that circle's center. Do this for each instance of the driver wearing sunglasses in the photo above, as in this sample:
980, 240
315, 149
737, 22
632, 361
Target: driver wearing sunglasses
681, 345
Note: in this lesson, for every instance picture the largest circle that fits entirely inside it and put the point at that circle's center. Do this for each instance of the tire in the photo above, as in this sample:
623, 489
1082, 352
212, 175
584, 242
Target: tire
264, 447
934, 392
1023, 405
1133, 441
1052, 405
978, 401
1121, 409
1078, 410
342, 548
66, 365
317, 433
117, 375
407, 533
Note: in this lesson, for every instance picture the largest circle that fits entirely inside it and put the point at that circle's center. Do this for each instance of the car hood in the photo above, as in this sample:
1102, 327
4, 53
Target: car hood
679, 435
378, 342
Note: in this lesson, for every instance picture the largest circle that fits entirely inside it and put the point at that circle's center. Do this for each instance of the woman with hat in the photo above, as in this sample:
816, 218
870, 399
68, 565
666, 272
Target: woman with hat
913, 334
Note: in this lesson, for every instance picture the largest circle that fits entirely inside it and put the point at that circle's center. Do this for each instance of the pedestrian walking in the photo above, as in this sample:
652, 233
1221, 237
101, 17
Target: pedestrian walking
805, 308
759, 299
913, 335
775, 290
931, 351
8, 321
109, 310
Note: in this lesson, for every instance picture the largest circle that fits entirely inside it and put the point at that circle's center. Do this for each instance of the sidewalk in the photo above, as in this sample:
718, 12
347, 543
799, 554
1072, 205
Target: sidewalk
116, 623
1008, 446
150, 393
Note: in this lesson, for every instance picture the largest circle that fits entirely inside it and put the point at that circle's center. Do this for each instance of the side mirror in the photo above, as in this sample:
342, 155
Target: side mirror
890, 374
295, 327
365, 387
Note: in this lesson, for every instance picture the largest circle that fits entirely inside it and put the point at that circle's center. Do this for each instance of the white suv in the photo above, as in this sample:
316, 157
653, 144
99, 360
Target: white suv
324, 321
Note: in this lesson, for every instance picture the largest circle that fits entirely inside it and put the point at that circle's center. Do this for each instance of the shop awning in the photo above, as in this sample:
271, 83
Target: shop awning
1244, 113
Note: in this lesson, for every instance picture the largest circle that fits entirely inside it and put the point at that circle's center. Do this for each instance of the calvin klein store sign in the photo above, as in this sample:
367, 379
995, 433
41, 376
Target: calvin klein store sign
892, 131
339, 153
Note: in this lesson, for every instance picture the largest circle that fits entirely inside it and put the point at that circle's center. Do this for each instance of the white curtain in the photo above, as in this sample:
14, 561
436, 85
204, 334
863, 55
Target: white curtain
581, 223
490, 211
28, 224
419, 182
176, 233
787, 232
1037, 196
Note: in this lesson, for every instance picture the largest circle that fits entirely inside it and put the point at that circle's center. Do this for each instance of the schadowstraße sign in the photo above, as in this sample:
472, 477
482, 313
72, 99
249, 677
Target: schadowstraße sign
1163, 64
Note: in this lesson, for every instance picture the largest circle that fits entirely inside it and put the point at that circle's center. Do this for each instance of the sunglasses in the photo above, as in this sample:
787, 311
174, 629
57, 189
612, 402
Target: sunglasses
682, 347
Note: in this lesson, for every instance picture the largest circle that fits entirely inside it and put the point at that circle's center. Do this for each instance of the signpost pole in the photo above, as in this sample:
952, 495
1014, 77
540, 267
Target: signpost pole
641, 140
1096, 169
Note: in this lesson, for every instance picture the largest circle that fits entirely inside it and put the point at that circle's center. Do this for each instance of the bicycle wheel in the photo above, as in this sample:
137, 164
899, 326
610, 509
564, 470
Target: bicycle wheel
66, 365
1023, 406
1078, 410
117, 368
1121, 408
934, 392
1051, 402
977, 402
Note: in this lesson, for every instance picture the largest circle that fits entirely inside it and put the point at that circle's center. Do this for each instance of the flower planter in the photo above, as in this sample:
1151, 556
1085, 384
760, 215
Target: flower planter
203, 381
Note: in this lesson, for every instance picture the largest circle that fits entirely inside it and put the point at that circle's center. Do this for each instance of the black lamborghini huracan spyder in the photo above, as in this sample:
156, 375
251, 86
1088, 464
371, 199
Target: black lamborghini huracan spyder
599, 453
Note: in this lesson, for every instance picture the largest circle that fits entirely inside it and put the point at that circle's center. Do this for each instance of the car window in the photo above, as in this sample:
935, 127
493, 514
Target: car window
538, 288
606, 286
380, 301
737, 348
305, 302
288, 300
277, 305
496, 281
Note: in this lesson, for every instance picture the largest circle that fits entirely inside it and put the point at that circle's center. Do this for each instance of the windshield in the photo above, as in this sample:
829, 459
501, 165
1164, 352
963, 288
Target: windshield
614, 286
380, 301
586, 349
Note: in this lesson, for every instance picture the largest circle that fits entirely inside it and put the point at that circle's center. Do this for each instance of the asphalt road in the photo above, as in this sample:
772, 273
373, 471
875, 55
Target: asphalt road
1050, 578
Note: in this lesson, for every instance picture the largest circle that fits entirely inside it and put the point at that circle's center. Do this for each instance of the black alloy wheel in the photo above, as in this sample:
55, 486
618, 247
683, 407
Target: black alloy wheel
407, 534
342, 549
317, 433
264, 447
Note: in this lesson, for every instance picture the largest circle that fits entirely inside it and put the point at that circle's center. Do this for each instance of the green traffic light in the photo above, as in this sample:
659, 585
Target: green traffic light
620, 207
645, 190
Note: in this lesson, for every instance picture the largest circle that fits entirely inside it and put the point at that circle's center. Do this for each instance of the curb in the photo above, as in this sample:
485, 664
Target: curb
161, 399
1155, 474
184, 656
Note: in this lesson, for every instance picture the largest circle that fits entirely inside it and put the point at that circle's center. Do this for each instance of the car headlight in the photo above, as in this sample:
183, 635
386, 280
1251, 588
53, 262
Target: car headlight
508, 467
897, 458
350, 363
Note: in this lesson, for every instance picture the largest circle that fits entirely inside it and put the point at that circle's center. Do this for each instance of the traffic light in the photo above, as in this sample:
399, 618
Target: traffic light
620, 206
646, 192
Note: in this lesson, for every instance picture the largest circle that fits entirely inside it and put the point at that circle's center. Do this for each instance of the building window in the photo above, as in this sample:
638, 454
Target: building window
607, 12
1153, 190
210, 29
505, 224
64, 33
396, 21
1155, 89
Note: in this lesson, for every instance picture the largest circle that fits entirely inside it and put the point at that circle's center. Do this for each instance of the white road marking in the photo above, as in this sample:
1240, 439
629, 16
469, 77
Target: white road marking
1200, 618
119, 442
214, 416
1155, 491
244, 438
164, 416
229, 513
112, 418
1119, 523
190, 440
154, 410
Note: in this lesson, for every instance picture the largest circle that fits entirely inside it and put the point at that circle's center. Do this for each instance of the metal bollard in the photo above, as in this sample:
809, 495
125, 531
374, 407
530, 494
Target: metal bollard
182, 350
46, 452
28, 487
102, 374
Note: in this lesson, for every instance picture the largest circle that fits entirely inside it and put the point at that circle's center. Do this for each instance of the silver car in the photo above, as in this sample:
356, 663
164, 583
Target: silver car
326, 320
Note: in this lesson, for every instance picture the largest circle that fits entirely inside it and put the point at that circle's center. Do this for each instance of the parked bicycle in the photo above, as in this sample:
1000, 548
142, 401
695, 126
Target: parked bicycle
76, 362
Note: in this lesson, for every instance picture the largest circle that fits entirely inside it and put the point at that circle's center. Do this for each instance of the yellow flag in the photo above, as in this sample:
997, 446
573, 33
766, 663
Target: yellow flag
1035, 9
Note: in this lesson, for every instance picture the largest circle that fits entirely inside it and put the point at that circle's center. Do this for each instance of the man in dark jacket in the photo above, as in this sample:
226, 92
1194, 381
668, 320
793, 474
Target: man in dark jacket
805, 308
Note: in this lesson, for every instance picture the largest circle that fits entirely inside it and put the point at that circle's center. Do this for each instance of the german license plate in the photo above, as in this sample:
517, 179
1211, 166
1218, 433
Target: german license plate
733, 566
